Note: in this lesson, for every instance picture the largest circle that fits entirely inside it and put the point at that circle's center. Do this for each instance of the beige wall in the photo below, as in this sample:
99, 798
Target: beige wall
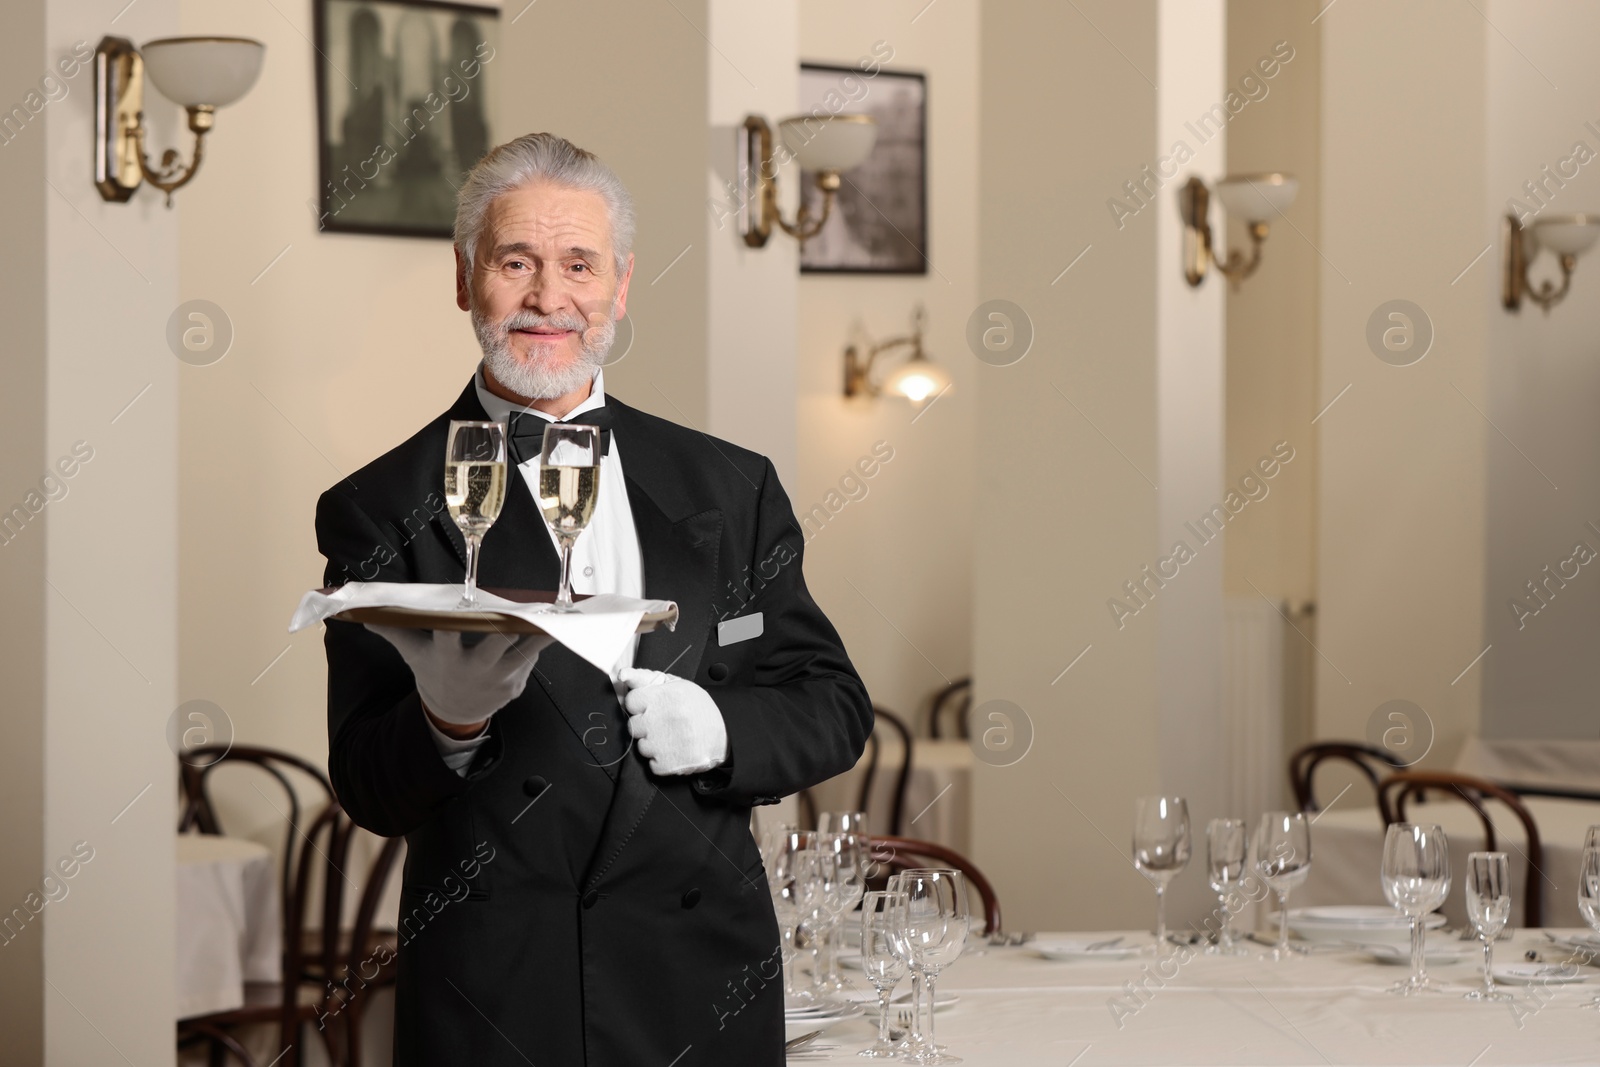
1272, 318
1069, 515
893, 568
1400, 540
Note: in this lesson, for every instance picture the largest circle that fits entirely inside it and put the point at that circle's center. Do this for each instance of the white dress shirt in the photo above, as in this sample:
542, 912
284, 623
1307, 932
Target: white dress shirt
605, 558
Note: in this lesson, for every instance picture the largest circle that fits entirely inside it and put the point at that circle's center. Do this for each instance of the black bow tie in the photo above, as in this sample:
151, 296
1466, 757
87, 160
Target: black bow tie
525, 431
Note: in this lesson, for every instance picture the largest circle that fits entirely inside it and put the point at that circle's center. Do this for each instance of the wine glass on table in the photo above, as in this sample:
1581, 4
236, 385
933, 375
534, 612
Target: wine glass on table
1416, 879
815, 921
934, 933
1589, 896
569, 489
1227, 846
1160, 848
1283, 859
882, 918
1488, 886
792, 880
850, 868
474, 488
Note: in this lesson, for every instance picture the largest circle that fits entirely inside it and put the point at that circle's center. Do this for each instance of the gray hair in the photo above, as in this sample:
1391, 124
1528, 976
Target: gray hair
537, 157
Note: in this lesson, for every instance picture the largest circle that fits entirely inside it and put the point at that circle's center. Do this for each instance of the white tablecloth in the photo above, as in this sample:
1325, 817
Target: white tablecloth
1019, 1010
229, 929
1347, 852
938, 796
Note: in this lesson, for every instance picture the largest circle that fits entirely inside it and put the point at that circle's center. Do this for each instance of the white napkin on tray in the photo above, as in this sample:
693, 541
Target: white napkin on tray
597, 631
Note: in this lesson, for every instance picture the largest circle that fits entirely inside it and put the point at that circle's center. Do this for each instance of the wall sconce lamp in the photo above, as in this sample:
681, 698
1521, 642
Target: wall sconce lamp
1254, 198
200, 73
1566, 236
916, 379
826, 144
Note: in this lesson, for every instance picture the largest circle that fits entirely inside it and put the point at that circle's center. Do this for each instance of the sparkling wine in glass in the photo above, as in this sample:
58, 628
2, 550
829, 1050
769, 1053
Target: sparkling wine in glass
1227, 848
474, 488
1160, 848
569, 489
935, 931
1283, 859
1416, 879
882, 917
1488, 886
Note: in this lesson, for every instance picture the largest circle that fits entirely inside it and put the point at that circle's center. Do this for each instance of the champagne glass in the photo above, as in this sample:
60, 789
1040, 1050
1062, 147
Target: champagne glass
474, 488
1283, 859
1160, 848
1416, 879
882, 916
824, 902
935, 931
793, 883
1226, 848
849, 861
1488, 887
569, 489
843, 822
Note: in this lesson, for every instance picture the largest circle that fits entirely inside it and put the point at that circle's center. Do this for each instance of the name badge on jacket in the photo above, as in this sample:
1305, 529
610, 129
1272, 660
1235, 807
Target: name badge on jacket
741, 629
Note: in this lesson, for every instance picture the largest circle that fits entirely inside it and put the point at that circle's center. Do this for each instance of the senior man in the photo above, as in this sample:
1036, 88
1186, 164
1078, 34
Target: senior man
579, 844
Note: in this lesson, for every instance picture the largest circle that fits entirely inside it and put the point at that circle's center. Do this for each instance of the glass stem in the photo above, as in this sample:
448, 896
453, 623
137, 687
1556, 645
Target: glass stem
933, 978
1161, 915
1419, 972
1283, 922
830, 949
788, 962
1488, 965
916, 1008
470, 594
885, 994
816, 963
564, 592
1225, 934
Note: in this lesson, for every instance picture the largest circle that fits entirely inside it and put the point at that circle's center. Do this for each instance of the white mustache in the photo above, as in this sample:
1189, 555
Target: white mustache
527, 320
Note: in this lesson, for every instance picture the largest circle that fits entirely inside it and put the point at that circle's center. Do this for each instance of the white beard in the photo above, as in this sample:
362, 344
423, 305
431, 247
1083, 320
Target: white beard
537, 378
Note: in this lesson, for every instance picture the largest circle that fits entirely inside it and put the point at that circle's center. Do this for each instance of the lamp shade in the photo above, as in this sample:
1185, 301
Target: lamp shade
203, 71
917, 379
1257, 197
1567, 235
829, 142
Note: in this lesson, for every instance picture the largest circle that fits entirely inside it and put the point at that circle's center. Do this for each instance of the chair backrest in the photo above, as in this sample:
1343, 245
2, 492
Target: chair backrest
1373, 762
883, 717
198, 810
1396, 790
891, 854
954, 699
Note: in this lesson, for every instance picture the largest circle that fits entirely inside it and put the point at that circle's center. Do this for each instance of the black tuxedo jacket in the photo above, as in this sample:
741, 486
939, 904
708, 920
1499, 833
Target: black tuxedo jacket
561, 904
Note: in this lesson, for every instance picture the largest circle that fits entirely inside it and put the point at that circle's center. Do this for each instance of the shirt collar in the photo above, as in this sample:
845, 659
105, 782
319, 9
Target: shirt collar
500, 409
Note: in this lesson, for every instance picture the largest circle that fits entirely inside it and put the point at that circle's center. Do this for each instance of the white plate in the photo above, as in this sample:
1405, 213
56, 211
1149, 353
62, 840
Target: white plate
822, 1011
797, 1026
1439, 953
1080, 950
1396, 930
1346, 915
1537, 974
869, 998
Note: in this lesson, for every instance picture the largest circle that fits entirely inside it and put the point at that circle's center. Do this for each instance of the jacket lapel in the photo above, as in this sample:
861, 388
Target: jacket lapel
680, 564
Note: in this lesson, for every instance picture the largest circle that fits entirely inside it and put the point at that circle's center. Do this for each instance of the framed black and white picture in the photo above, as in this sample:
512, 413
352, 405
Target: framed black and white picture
879, 223
403, 111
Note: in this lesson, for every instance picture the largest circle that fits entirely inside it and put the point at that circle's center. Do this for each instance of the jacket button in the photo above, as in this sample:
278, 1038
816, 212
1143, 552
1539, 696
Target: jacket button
590, 898
718, 672
691, 898
535, 786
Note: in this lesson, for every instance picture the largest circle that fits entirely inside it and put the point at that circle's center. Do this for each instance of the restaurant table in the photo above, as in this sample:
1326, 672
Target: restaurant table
1347, 852
938, 794
228, 921
1017, 1009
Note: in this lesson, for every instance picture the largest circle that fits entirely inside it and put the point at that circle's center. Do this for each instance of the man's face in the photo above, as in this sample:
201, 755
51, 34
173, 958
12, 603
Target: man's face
544, 292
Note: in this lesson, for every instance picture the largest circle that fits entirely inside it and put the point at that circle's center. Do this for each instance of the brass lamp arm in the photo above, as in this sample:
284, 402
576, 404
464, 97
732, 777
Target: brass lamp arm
858, 370
1237, 268
172, 176
1547, 295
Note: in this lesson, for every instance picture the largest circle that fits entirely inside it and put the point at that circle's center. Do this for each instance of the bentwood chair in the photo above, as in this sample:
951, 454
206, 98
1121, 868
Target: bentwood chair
954, 700
1371, 761
892, 854
1395, 791
883, 718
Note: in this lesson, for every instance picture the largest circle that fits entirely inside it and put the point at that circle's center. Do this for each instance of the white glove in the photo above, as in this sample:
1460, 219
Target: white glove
460, 685
678, 726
